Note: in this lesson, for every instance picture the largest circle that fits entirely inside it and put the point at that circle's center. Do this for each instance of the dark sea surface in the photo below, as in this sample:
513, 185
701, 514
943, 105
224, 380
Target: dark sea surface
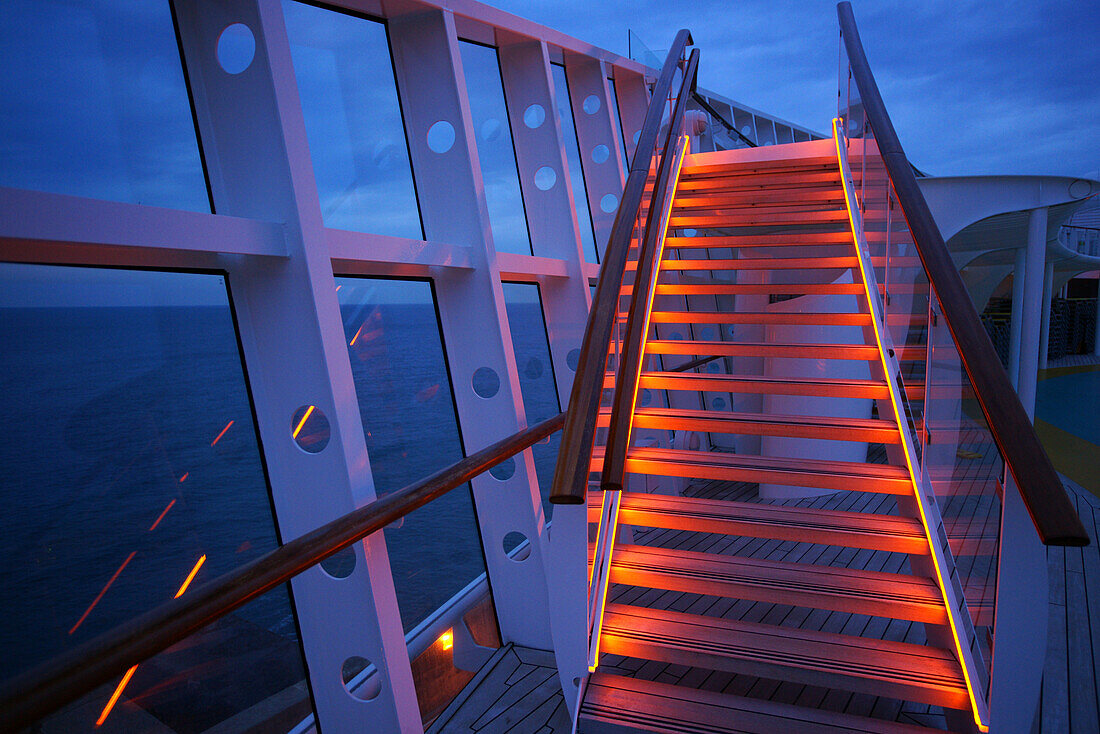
111, 414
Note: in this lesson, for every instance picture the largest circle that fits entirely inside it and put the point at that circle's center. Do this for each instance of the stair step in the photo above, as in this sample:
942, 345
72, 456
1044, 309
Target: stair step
693, 169
793, 180
760, 263
782, 318
760, 289
792, 239
756, 424
756, 219
764, 317
874, 593
767, 349
616, 704
816, 473
718, 209
901, 670
820, 387
774, 197
774, 263
774, 522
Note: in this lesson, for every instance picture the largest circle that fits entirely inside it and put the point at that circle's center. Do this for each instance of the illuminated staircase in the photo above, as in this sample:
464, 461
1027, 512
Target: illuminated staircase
786, 214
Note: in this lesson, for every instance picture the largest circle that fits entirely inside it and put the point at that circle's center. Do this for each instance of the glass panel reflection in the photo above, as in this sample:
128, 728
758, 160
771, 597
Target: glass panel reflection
405, 400
130, 473
353, 121
573, 156
494, 148
536, 375
93, 103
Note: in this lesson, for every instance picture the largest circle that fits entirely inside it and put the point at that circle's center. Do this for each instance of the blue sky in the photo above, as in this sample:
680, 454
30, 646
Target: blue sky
972, 87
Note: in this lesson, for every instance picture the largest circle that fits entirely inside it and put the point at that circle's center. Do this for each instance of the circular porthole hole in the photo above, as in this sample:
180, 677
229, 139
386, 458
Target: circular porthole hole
491, 129
534, 116
512, 546
533, 369
591, 104
690, 232
746, 130
601, 153
441, 137
310, 429
545, 178
236, 48
719, 403
486, 382
573, 358
609, 203
340, 565
361, 679
504, 470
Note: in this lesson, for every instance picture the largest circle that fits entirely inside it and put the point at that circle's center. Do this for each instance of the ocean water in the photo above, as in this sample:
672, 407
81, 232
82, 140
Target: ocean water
117, 471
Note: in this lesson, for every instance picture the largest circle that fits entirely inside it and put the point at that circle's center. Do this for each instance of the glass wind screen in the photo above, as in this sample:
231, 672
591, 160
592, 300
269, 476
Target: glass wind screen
494, 148
93, 103
130, 473
353, 121
405, 400
536, 375
573, 156
408, 413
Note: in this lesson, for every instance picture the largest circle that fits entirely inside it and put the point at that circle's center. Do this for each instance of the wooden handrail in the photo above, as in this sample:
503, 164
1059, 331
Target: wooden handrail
613, 475
63, 679
578, 435
1054, 517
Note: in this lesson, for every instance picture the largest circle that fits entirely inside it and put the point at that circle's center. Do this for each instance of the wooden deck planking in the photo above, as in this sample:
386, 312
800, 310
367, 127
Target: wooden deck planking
523, 696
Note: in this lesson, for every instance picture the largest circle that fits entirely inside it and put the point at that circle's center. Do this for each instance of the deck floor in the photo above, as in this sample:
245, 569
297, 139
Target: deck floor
518, 690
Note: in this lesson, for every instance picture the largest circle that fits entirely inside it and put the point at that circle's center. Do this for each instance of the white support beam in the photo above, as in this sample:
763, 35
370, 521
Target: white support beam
597, 138
1031, 323
253, 132
551, 217
356, 253
1017, 316
429, 74
35, 221
633, 96
1044, 331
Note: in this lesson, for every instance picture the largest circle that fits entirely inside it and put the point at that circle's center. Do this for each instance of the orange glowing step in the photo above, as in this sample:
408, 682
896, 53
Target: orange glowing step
618, 704
877, 667
756, 424
816, 473
831, 527
757, 218
764, 349
857, 591
823, 387
758, 289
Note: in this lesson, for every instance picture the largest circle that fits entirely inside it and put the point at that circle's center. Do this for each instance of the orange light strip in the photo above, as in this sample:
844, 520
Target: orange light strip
302, 422
115, 696
356, 337
130, 673
102, 592
191, 576
219, 436
184, 477
447, 639
613, 530
166, 509
895, 401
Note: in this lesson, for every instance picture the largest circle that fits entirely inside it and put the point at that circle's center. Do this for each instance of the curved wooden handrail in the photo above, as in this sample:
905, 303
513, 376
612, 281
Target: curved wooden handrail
1055, 519
58, 681
613, 475
578, 435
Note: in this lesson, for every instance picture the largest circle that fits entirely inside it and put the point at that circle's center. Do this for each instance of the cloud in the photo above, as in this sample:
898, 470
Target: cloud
972, 86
